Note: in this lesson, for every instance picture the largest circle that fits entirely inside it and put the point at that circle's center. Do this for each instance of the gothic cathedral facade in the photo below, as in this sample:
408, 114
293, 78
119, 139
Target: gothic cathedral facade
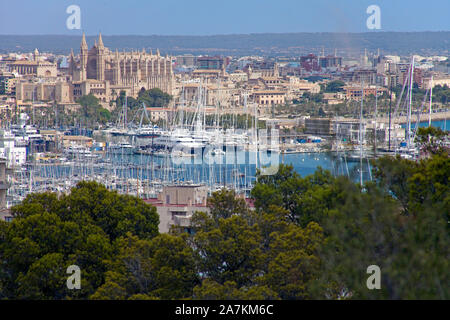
105, 73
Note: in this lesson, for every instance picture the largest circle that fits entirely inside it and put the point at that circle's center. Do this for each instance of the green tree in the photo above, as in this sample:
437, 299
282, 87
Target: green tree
431, 140
362, 231
161, 268
229, 251
43, 240
372, 227
91, 110
211, 290
304, 199
293, 262
392, 175
50, 233
429, 185
224, 204
254, 255
369, 229
307, 237
317, 97
154, 97
2, 87
321, 112
334, 86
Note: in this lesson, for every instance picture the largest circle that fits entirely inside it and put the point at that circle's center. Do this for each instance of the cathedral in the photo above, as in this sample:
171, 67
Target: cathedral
105, 73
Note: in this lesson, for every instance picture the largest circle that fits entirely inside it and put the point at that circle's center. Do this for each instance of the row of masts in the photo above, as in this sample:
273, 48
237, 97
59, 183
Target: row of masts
408, 103
118, 173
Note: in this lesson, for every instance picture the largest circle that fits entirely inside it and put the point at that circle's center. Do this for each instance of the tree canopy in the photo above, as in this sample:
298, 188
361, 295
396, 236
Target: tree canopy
92, 111
309, 237
154, 97
335, 86
50, 233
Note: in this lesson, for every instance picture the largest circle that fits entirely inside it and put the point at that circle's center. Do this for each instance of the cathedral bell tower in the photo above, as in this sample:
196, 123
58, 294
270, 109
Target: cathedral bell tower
100, 59
71, 63
83, 58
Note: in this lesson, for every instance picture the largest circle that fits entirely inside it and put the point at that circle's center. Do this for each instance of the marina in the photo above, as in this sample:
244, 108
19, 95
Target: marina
254, 151
202, 144
142, 166
141, 160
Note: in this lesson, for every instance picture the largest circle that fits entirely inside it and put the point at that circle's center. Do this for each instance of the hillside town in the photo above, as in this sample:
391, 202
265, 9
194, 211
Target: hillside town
314, 101
219, 160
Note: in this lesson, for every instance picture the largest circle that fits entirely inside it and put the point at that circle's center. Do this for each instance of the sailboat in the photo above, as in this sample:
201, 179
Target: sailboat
407, 148
148, 131
117, 131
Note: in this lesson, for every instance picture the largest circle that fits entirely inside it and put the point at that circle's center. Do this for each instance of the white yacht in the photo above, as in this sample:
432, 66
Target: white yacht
148, 132
122, 147
180, 139
75, 150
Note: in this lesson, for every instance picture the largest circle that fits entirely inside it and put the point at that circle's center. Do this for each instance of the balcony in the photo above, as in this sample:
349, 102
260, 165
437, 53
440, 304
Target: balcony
182, 221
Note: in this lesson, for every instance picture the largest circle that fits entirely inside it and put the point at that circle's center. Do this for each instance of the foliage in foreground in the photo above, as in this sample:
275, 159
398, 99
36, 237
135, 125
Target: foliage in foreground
308, 237
50, 233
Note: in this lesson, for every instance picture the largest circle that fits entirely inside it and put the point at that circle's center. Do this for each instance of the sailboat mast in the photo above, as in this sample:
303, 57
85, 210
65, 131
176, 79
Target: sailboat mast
411, 83
431, 101
125, 112
361, 133
256, 135
390, 110
375, 125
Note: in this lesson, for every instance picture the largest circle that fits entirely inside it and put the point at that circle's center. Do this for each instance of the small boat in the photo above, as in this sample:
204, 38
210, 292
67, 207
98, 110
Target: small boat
123, 148
75, 150
217, 152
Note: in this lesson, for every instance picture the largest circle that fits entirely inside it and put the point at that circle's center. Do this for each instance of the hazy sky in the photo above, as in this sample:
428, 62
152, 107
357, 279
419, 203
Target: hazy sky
206, 17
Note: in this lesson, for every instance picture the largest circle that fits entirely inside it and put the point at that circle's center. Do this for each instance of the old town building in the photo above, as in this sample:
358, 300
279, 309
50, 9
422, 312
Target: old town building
105, 73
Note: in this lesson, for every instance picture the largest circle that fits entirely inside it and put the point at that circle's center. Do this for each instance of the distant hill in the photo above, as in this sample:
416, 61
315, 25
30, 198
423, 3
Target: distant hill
241, 44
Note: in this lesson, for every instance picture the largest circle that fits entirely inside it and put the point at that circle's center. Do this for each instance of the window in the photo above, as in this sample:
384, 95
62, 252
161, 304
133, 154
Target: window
178, 213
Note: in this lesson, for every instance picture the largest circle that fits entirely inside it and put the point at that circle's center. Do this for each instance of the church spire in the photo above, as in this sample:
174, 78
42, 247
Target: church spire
100, 41
83, 42
35, 54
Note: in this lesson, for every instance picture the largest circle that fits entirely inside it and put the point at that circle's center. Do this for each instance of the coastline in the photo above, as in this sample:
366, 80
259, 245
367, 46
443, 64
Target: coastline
423, 117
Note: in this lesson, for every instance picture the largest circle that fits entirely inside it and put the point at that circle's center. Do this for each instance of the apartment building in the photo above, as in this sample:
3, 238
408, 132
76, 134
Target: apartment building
5, 214
269, 97
177, 203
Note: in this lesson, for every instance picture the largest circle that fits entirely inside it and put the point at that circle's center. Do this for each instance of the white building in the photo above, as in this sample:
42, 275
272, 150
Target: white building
14, 155
5, 214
